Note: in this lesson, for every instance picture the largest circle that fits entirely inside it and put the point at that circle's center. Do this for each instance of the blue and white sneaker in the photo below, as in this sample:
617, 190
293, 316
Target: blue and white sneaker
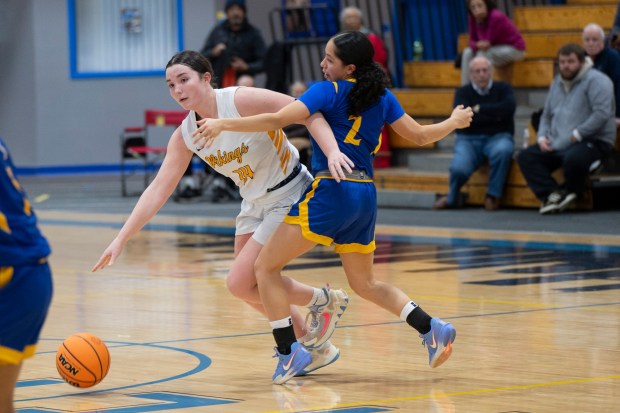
438, 342
324, 317
290, 365
322, 356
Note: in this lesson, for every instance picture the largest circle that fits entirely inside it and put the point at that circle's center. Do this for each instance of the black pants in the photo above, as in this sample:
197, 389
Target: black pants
537, 166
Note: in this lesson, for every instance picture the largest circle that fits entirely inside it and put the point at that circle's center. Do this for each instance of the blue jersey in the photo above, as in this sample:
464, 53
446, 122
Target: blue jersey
358, 137
21, 241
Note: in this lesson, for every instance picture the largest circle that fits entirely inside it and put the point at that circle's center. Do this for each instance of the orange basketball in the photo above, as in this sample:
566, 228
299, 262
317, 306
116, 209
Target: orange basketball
83, 360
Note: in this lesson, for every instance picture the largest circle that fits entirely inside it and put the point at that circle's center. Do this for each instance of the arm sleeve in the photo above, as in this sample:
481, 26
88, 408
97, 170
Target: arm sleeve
394, 110
317, 97
601, 97
545, 117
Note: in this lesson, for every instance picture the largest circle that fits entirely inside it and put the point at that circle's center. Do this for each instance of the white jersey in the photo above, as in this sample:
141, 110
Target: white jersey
255, 161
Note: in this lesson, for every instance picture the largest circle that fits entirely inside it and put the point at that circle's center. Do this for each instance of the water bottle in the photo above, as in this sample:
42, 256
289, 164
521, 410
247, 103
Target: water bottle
418, 50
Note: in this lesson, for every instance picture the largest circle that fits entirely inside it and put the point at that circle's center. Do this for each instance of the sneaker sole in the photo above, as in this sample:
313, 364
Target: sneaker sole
329, 330
443, 352
443, 356
566, 203
304, 372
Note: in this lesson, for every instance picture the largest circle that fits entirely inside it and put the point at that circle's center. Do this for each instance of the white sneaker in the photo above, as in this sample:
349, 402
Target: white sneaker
325, 317
322, 356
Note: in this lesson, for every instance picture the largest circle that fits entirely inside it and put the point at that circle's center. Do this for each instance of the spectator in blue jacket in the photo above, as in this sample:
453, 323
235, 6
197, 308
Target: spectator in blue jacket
489, 137
604, 58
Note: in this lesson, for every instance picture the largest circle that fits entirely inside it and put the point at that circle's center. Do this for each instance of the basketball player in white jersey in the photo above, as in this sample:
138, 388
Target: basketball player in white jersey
270, 177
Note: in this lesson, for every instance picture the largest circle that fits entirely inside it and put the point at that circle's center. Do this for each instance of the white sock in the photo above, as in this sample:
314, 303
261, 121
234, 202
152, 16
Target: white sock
407, 309
318, 297
285, 322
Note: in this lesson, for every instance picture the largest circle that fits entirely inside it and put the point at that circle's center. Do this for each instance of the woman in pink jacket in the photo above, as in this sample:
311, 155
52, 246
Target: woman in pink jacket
492, 34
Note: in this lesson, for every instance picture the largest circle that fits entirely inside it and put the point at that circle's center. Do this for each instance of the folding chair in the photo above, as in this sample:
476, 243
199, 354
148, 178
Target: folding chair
135, 146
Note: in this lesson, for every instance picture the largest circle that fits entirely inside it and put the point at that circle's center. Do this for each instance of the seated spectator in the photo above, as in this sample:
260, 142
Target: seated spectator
492, 34
234, 47
489, 137
576, 131
351, 18
604, 58
615, 30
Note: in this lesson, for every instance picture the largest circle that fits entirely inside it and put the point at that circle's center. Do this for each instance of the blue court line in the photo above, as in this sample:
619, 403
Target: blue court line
384, 323
219, 230
203, 363
38, 382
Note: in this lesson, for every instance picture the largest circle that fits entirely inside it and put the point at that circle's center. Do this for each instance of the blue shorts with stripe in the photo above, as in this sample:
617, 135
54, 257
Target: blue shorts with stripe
340, 213
25, 296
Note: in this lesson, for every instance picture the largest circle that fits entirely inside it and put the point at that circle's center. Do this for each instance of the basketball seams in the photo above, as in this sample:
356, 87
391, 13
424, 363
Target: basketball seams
74, 358
95, 381
98, 357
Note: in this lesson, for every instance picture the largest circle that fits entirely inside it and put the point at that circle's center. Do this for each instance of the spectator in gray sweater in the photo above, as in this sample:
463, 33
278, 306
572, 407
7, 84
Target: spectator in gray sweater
577, 130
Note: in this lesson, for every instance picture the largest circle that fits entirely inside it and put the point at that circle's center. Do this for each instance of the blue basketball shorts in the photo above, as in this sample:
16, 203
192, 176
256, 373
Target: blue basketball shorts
343, 214
25, 296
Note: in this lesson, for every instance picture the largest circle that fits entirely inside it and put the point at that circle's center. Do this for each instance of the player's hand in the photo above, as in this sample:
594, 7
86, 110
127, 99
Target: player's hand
109, 255
207, 130
463, 116
336, 161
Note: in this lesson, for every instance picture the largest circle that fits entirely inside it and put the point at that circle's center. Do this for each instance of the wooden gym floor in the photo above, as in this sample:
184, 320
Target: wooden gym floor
537, 317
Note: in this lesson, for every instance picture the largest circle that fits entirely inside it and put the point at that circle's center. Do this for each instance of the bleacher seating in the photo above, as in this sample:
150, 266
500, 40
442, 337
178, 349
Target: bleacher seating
430, 88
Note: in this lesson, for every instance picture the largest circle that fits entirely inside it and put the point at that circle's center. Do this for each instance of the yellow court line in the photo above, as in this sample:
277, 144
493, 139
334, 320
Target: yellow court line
460, 393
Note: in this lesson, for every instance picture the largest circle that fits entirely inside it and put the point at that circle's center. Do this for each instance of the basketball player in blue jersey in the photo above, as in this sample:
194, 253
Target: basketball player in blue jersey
25, 280
266, 168
355, 102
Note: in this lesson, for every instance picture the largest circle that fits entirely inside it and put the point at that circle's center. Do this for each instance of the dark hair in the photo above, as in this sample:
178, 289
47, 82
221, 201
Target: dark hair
353, 47
491, 4
195, 61
231, 3
571, 48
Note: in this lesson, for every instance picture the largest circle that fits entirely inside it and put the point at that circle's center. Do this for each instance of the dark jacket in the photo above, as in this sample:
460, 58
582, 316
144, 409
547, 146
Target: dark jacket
608, 62
247, 43
497, 109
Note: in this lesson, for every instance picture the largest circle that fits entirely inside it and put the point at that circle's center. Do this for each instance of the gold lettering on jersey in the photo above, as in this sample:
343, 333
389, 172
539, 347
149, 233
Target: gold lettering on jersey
245, 173
9, 172
6, 274
27, 207
222, 158
4, 224
350, 138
